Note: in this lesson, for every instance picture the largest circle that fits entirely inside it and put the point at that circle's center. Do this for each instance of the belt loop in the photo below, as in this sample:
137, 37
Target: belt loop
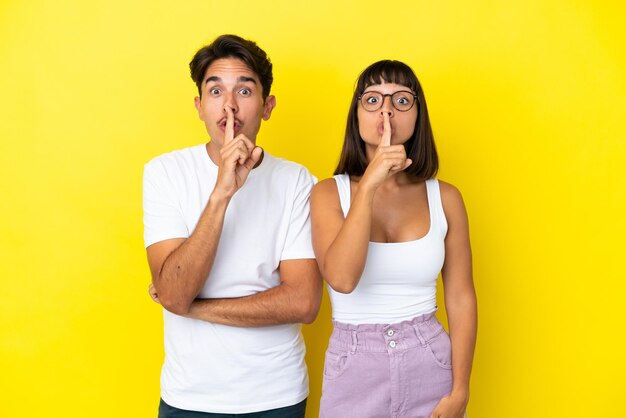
419, 334
355, 342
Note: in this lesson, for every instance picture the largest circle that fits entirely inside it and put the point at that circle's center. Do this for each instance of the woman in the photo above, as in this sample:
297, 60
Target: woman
383, 230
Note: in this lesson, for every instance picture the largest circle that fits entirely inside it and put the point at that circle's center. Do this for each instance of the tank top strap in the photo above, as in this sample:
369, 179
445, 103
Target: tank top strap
437, 215
343, 187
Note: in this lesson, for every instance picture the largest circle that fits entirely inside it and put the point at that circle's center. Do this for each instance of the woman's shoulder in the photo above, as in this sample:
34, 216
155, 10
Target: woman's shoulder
448, 189
325, 188
451, 198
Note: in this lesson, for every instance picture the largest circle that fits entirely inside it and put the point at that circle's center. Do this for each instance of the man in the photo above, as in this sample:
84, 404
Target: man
227, 233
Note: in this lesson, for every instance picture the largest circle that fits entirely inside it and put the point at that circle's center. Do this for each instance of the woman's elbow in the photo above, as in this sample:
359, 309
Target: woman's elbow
345, 285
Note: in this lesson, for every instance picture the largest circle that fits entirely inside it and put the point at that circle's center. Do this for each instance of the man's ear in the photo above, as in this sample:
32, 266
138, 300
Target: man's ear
196, 102
270, 104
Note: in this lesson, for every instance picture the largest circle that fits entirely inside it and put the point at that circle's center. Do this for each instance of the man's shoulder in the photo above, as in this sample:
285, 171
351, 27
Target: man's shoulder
287, 168
176, 158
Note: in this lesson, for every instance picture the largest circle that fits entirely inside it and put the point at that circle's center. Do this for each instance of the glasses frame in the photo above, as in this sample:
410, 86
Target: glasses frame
382, 102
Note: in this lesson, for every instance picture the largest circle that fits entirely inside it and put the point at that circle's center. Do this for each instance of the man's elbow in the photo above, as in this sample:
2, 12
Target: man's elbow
175, 306
308, 316
309, 308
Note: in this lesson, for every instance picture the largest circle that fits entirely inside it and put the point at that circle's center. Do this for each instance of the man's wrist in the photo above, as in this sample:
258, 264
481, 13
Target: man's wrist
219, 198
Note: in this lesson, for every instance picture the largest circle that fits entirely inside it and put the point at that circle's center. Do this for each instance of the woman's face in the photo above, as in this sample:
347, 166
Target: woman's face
402, 123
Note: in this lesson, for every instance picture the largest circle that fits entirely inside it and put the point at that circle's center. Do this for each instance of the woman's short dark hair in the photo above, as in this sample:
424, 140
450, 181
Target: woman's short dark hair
233, 46
420, 148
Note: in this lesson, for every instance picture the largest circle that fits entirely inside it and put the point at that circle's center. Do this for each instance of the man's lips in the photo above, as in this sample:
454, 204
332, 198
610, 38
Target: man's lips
222, 125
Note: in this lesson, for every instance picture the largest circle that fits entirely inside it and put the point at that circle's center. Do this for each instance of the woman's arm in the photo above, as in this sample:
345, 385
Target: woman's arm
460, 300
340, 244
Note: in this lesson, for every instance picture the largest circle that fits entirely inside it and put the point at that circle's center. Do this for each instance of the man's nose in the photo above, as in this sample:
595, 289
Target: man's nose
230, 101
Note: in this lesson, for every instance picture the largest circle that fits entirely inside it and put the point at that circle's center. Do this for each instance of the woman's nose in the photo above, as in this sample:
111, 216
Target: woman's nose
387, 107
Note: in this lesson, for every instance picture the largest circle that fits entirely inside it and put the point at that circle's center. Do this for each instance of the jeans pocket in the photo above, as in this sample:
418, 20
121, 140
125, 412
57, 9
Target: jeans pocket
335, 363
440, 348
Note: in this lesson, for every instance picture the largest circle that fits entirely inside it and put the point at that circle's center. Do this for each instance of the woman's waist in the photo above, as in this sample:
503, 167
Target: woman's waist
384, 337
376, 306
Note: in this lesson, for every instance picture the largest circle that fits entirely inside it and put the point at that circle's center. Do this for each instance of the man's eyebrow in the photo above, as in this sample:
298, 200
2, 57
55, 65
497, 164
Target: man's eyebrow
212, 78
241, 79
244, 79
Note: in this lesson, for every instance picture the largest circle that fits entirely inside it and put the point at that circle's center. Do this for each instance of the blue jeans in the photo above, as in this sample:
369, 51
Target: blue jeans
293, 411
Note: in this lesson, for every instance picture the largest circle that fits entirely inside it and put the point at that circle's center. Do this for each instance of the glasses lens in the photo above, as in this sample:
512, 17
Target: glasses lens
402, 100
371, 101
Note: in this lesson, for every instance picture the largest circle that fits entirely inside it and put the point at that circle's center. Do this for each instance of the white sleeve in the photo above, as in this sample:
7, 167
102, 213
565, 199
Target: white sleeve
162, 215
298, 242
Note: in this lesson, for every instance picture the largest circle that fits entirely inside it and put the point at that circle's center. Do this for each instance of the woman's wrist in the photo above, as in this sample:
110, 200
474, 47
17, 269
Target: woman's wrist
365, 189
460, 393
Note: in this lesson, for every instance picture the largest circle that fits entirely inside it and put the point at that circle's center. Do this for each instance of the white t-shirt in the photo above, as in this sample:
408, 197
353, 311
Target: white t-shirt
217, 368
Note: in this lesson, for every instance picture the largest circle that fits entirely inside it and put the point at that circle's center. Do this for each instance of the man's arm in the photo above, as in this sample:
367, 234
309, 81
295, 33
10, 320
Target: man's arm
295, 300
180, 266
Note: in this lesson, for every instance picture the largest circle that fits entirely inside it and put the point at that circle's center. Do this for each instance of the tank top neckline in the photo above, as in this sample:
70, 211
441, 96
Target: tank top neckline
396, 243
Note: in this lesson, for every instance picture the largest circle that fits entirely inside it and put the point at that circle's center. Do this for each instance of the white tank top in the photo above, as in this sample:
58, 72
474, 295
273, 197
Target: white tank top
399, 281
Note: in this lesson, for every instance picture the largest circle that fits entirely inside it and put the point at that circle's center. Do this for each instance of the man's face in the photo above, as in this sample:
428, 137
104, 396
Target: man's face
228, 82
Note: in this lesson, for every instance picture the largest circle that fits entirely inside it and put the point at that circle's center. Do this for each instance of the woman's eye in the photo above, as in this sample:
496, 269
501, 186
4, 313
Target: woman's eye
372, 100
403, 100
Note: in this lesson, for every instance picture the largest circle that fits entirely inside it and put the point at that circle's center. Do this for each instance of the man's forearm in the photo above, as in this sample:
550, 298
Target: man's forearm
287, 303
185, 270
272, 307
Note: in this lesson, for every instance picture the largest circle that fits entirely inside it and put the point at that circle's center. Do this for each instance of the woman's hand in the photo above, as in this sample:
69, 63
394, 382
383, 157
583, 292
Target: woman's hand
450, 406
388, 159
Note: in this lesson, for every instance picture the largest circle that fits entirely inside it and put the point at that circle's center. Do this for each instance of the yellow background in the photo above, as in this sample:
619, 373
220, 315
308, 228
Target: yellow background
527, 100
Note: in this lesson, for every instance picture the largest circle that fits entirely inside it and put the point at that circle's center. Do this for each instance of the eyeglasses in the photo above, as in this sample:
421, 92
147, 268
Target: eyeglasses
402, 100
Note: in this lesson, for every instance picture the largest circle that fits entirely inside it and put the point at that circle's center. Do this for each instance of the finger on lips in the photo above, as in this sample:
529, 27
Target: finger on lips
386, 138
229, 131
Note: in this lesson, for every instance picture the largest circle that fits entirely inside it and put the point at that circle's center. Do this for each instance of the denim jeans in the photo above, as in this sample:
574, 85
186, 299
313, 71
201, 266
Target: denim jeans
293, 411
386, 370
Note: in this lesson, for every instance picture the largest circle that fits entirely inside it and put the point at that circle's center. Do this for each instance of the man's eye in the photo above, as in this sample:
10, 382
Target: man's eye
214, 91
245, 92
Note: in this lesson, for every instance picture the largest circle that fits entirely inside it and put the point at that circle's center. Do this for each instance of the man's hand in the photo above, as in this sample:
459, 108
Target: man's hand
388, 159
238, 156
153, 294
